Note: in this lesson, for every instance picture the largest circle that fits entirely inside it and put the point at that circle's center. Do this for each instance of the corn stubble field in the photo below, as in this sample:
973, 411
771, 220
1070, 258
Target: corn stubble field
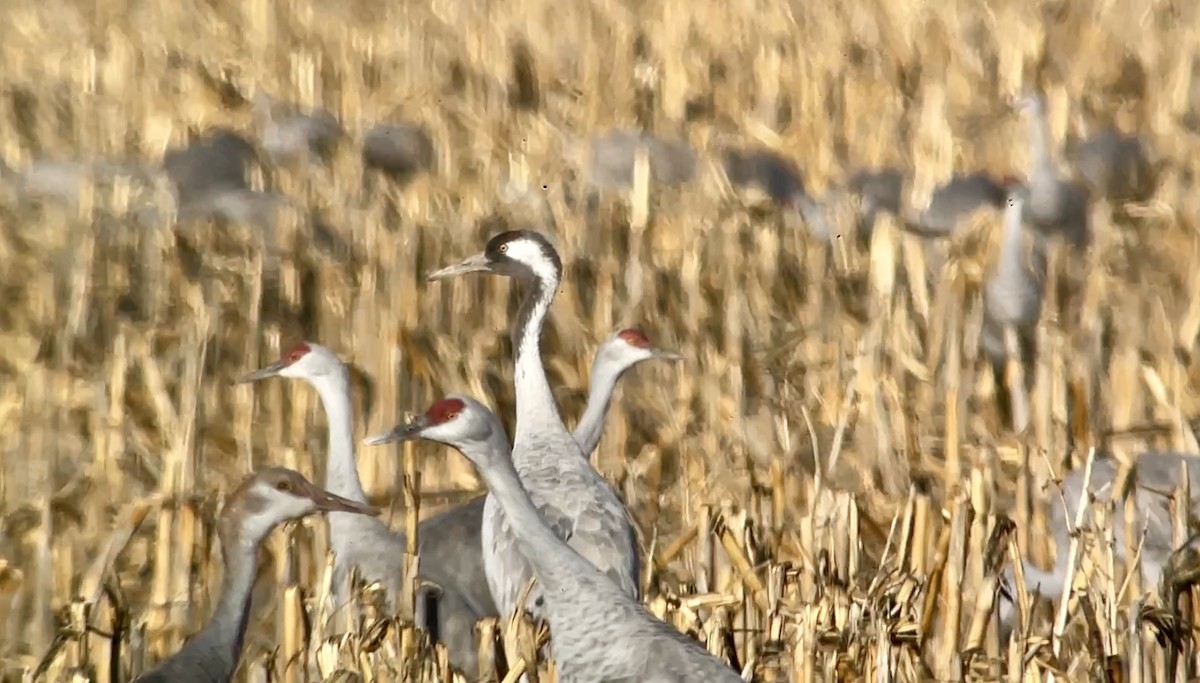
120, 343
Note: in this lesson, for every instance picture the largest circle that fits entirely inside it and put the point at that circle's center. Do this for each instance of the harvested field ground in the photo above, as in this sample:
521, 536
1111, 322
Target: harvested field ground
120, 343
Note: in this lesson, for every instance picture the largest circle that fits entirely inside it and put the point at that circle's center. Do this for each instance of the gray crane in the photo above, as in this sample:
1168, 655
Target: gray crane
1056, 206
400, 151
211, 164
954, 201
263, 501
598, 631
612, 156
879, 191
1013, 292
446, 540
783, 183
1115, 166
1153, 480
768, 171
620, 352
573, 497
211, 179
1012, 298
290, 135
64, 180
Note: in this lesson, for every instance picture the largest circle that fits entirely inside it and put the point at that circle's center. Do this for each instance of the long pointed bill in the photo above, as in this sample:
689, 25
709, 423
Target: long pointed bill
663, 354
262, 373
404, 432
473, 264
331, 502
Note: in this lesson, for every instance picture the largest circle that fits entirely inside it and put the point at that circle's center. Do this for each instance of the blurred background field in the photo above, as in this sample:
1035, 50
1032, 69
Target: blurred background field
818, 483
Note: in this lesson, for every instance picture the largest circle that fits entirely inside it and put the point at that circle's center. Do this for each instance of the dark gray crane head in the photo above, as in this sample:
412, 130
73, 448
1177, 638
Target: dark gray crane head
523, 254
276, 495
455, 420
304, 360
628, 347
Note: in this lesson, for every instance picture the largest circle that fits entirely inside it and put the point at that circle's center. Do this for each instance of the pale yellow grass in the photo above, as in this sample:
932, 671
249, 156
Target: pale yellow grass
119, 346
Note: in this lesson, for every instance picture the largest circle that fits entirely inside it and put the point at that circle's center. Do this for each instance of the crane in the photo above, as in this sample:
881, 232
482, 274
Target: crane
263, 501
599, 632
620, 352
1055, 205
574, 498
1154, 476
447, 541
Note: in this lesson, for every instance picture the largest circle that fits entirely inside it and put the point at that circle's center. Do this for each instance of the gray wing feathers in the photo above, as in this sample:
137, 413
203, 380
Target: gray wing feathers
1157, 474
597, 531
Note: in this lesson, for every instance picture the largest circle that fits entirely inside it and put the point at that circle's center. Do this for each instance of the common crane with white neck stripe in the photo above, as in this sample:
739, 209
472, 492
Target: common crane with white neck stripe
576, 501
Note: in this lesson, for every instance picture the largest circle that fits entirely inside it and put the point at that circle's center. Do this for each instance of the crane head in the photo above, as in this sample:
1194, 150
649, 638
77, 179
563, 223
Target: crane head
628, 347
303, 360
517, 253
276, 495
454, 420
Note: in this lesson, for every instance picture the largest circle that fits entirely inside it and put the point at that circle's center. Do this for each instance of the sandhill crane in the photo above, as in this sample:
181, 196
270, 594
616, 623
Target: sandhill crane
447, 541
400, 151
210, 176
618, 353
263, 501
1153, 479
768, 171
879, 191
1115, 166
575, 500
1055, 205
783, 183
598, 631
1012, 298
954, 201
212, 164
1013, 293
612, 156
290, 135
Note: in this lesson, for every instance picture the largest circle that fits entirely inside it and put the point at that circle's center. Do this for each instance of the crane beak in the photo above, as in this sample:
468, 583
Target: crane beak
404, 432
262, 373
331, 502
473, 264
663, 354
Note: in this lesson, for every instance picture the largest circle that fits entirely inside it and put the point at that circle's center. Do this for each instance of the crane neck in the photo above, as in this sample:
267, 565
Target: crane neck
341, 468
603, 383
553, 561
1010, 258
536, 409
1039, 143
218, 646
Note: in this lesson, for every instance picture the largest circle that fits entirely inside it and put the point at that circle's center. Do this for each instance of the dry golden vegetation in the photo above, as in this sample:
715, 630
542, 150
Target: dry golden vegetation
120, 342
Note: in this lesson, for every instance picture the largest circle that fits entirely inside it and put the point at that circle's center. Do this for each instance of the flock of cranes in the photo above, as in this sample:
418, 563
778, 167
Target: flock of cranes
548, 514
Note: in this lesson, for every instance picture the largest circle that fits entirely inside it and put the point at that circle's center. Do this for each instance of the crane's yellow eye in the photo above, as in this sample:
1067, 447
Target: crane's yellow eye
503, 248
452, 416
